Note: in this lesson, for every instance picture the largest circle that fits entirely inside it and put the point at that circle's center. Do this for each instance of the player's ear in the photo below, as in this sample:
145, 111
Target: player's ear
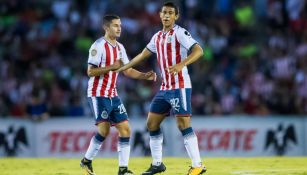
105, 27
177, 17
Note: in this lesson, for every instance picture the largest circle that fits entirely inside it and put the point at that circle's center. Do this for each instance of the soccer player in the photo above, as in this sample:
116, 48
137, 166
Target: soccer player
106, 55
171, 46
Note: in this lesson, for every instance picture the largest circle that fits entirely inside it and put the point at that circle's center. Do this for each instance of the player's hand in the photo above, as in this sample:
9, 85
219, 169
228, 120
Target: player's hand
116, 65
175, 69
151, 75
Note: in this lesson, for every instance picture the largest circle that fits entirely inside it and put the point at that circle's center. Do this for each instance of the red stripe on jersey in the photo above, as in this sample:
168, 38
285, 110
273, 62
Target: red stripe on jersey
95, 83
113, 74
170, 60
164, 62
106, 76
158, 54
160, 57
178, 60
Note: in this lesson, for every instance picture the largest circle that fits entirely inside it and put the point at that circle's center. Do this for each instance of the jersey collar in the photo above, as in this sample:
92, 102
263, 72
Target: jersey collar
169, 30
110, 43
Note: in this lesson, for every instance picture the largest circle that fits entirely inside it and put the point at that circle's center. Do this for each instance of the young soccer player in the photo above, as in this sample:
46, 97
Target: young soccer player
171, 46
106, 55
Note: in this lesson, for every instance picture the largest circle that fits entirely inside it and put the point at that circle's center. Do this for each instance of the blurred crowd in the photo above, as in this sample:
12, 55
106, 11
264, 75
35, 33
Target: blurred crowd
255, 55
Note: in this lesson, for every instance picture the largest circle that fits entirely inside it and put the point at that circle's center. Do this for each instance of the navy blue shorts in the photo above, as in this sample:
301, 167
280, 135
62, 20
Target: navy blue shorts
108, 109
176, 102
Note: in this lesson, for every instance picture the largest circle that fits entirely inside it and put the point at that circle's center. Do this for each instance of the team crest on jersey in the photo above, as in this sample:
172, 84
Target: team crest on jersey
93, 52
104, 114
169, 39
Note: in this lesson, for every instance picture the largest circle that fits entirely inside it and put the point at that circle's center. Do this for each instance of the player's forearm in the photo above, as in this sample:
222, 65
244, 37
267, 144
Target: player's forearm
137, 59
93, 72
132, 73
196, 53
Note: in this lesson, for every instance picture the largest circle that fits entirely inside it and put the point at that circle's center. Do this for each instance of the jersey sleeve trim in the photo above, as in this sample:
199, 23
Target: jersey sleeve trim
92, 64
192, 46
149, 50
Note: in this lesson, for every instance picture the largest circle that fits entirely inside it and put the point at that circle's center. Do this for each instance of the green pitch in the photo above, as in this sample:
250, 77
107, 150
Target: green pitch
175, 166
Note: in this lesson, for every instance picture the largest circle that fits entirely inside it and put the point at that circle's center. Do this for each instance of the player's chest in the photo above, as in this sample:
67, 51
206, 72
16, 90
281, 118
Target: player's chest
165, 40
110, 55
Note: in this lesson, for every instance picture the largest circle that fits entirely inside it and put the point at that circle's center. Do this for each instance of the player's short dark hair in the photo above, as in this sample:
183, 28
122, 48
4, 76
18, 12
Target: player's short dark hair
107, 19
173, 5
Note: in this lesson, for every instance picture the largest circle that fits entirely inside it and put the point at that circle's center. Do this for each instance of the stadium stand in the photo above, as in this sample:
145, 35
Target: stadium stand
255, 59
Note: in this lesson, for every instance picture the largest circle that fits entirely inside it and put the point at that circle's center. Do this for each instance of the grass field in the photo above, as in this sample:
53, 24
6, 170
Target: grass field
175, 166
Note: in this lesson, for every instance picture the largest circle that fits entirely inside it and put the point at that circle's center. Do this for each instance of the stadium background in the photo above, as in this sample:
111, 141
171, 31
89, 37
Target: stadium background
252, 78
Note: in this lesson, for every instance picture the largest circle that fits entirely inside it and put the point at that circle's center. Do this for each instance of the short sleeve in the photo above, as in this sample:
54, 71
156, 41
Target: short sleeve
185, 38
94, 55
123, 55
151, 45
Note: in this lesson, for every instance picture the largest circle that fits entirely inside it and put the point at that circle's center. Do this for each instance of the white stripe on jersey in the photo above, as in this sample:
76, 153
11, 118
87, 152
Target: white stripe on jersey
176, 77
165, 57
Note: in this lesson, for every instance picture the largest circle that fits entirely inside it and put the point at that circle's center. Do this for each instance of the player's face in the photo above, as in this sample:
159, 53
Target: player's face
114, 29
168, 16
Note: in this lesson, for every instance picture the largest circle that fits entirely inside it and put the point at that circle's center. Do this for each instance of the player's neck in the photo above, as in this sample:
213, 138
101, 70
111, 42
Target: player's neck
111, 40
168, 28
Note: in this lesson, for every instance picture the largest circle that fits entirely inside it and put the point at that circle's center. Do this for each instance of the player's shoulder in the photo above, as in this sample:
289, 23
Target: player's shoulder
121, 46
99, 41
157, 33
96, 45
181, 31
178, 28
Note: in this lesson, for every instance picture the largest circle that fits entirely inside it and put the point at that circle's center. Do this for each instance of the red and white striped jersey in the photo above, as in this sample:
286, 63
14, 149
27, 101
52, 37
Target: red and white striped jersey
101, 54
171, 48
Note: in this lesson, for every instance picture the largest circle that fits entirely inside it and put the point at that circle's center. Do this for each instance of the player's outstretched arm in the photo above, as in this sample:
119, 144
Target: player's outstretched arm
93, 71
136, 60
132, 73
196, 53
